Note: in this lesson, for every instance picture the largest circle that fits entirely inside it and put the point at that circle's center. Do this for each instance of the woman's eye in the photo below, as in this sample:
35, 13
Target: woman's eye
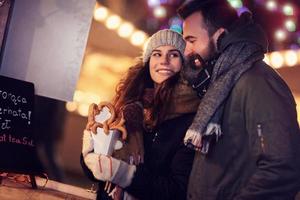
156, 54
174, 55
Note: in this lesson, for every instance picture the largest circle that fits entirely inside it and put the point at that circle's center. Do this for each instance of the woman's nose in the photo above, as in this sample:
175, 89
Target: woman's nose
164, 59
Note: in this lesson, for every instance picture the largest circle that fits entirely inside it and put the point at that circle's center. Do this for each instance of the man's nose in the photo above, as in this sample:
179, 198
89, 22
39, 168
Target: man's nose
187, 51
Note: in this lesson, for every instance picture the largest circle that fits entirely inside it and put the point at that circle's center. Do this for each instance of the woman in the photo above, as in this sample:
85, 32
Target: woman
155, 100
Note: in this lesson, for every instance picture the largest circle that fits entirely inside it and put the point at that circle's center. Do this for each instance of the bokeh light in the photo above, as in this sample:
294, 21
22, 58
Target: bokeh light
291, 58
276, 60
235, 3
271, 5
160, 12
100, 14
287, 9
290, 25
280, 35
138, 38
125, 30
113, 22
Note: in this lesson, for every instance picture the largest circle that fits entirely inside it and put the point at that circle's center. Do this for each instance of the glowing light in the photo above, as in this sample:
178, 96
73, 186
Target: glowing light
267, 59
271, 5
298, 107
138, 38
113, 22
235, 3
287, 9
100, 14
160, 12
78, 96
83, 110
153, 3
276, 60
125, 30
291, 58
290, 25
280, 35
71, 106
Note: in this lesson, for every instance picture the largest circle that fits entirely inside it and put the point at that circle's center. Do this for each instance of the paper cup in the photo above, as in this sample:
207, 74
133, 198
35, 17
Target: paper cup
104, 144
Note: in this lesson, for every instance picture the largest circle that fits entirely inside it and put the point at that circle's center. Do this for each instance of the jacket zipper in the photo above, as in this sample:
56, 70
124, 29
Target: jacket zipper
155, 136
260, 135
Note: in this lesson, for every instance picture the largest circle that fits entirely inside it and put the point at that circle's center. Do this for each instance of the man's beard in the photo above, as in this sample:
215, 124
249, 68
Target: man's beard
195, 63
197, 70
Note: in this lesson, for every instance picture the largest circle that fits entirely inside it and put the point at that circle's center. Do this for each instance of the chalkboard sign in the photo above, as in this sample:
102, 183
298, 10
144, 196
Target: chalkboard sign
17, 144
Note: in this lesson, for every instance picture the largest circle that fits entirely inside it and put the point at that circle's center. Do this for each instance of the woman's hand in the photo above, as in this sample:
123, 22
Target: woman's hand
105, 168
87, 143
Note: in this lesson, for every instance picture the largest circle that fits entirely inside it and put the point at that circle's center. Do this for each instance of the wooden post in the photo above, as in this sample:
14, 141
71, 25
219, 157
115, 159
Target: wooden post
33, 182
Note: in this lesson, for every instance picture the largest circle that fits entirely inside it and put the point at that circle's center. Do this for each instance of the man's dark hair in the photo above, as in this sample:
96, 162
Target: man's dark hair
216, 13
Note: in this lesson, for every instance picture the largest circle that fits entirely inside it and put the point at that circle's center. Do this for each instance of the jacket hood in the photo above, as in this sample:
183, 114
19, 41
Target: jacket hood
244, 30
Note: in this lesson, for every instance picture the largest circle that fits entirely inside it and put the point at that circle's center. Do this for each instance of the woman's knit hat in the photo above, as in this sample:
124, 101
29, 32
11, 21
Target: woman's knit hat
163, 38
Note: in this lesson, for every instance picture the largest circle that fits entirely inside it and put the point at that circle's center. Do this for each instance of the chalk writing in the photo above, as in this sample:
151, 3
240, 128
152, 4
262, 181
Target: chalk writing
12, 97
16, 113
8, 138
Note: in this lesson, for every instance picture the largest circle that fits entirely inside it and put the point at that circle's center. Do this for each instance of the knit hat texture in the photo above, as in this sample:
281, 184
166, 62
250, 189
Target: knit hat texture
163, 38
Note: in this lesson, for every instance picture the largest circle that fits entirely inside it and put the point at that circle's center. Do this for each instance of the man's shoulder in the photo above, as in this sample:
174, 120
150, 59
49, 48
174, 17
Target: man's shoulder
262, 80
260, 74
260, 70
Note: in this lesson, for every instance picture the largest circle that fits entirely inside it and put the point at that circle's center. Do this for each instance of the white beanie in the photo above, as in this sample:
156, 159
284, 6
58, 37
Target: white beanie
163, 38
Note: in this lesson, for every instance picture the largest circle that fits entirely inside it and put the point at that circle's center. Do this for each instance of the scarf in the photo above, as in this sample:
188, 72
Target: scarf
184, 100
240, 49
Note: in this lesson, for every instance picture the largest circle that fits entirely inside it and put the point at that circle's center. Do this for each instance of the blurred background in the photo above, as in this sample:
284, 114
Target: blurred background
117, 35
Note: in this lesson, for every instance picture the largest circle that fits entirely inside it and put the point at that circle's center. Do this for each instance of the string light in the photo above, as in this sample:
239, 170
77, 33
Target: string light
125, 30
113, 22
271, 5
138, 38
291, 58
153, 3
71, 106
280, 35
276, 60
100, 14
235, 3
287, 9
160, 12
290, 25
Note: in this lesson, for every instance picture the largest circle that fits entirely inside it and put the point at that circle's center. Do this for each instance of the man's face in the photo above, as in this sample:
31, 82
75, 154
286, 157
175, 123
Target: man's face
198, 40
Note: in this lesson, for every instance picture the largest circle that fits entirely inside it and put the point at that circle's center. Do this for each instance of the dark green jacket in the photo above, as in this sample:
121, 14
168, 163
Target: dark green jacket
259, 153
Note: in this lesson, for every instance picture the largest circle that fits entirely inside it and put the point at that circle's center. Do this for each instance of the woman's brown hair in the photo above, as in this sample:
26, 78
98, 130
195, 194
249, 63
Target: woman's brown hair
132, 87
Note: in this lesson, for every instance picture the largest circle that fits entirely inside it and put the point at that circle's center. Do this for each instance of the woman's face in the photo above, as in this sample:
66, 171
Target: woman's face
165, 61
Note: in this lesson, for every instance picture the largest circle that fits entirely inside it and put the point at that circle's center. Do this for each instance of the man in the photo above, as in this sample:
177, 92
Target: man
245, 132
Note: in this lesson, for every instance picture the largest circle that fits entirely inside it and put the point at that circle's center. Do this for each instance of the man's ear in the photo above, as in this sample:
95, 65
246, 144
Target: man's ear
216, 36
